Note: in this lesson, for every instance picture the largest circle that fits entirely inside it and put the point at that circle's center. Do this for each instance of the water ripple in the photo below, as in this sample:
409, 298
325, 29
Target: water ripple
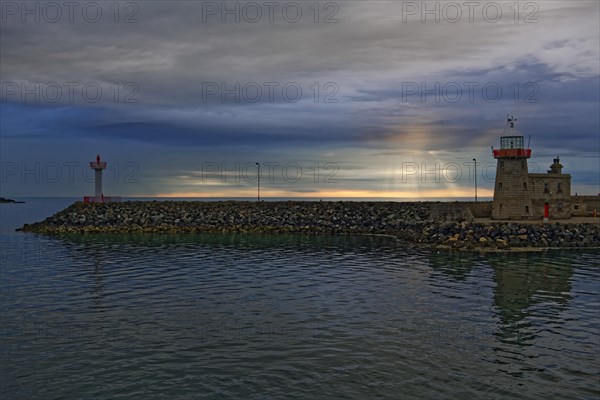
230, 316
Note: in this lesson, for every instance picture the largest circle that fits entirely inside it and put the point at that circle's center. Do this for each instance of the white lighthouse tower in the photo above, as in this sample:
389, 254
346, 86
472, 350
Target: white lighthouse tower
99, 197
98, 166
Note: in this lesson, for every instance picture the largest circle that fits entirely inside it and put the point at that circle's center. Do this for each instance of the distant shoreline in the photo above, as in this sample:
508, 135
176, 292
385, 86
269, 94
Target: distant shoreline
9, 201
408, 222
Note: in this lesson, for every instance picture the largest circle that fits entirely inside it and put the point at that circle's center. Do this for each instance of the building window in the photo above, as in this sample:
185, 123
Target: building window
559, 187
576, 207
526, 209
545, 187
500, 186
524, 185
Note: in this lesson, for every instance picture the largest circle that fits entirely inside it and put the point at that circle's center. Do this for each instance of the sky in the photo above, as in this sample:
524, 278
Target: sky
333, 99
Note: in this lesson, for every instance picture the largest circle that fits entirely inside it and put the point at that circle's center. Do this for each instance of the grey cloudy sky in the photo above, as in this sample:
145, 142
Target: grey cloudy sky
172, 93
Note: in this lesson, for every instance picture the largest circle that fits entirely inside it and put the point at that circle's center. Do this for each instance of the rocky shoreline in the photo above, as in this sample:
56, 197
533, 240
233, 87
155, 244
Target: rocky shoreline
409, 222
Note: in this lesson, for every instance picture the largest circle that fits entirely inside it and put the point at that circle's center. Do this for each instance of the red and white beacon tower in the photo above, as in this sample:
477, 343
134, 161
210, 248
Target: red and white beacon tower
98, 166
512, 196
99, 197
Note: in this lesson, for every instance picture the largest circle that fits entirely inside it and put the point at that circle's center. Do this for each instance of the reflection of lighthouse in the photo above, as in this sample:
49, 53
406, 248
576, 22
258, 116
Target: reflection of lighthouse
98, 166
99, 197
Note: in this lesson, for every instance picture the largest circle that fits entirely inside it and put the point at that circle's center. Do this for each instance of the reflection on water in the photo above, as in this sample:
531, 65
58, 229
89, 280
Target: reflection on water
540, 280
172, 316
455, 266
521, 281
97, 275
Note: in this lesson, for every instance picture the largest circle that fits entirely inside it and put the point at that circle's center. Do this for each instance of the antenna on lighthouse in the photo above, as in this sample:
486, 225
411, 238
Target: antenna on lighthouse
529, 142
510, 123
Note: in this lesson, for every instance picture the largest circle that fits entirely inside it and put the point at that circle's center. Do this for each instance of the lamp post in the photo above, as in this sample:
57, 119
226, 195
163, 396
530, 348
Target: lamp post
475, 161
258, 189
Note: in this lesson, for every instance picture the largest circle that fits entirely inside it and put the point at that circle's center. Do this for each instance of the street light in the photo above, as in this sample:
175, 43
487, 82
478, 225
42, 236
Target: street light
475, 161
258, 196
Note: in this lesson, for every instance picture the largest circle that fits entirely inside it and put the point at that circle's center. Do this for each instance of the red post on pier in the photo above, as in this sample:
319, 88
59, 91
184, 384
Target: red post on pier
546, 212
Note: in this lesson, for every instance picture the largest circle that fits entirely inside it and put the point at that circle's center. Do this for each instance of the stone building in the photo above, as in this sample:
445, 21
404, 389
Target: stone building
521, 195
585, 206
553, 188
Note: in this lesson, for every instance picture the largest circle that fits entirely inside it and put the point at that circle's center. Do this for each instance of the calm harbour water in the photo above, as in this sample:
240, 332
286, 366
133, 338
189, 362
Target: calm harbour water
247, 316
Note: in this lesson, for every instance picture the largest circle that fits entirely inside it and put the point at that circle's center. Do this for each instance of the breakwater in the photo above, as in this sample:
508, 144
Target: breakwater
10, 201
410, 222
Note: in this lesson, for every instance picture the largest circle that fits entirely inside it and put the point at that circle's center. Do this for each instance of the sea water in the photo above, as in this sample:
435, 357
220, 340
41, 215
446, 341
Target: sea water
289, 316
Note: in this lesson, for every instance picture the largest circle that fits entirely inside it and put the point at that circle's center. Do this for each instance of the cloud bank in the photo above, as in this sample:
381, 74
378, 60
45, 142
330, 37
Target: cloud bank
371, 87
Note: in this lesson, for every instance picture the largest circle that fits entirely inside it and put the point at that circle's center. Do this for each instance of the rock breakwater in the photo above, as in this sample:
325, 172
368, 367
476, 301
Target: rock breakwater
410, 222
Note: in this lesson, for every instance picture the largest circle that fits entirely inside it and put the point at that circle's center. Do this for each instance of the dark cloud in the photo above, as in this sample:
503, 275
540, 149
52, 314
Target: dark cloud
157, 77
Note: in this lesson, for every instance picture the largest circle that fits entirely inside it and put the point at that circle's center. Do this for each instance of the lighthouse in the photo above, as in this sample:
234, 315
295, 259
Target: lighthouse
98, 166
512, 196
99, 197
519, 194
